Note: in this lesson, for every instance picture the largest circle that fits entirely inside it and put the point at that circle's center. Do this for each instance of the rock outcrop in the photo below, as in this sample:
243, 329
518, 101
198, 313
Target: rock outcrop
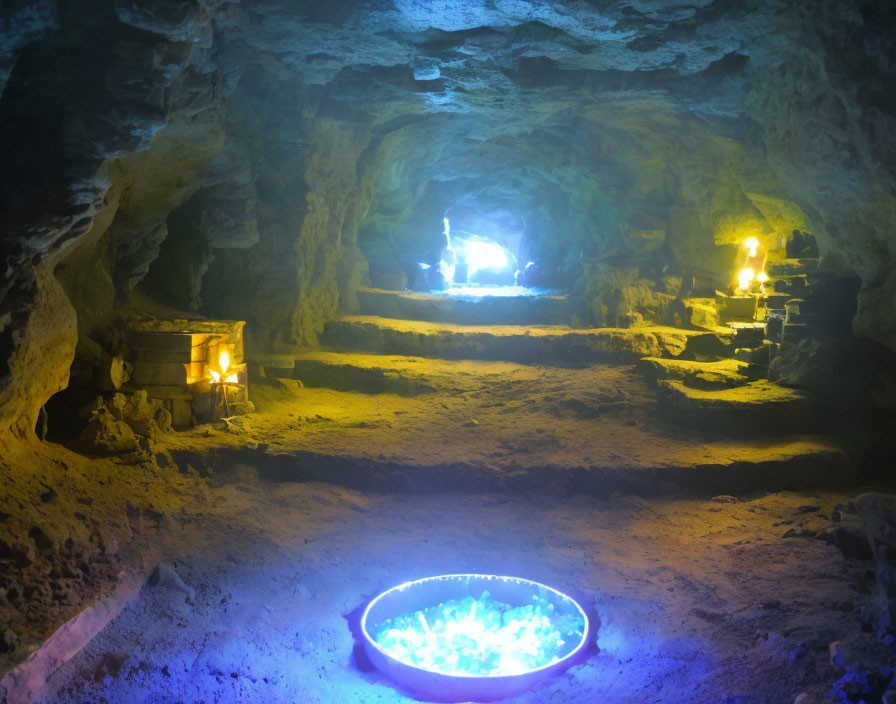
878, 513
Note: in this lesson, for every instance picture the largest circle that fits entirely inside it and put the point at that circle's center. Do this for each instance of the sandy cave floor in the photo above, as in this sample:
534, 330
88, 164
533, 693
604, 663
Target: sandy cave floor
498, 416
699, 600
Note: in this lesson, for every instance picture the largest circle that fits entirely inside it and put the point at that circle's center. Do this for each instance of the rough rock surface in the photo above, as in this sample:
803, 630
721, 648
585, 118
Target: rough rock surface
246, 148
878, 513
246, 159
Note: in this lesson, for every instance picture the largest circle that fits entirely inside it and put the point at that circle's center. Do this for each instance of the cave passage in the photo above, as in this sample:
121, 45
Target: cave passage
301, 301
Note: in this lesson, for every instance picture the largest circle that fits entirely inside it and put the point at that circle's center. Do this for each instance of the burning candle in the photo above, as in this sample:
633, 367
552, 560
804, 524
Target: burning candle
752, 267
223, 364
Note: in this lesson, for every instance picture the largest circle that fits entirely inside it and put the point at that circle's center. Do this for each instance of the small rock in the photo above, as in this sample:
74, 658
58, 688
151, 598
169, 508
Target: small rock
772, 642
849, 508
472, 423
41, 541
838, 656
724, 499
805, 698
849, 536
164, 575
821, 639
104, 434
800, 651
806, 509
111, 548
8, 640
801, 533
858, 684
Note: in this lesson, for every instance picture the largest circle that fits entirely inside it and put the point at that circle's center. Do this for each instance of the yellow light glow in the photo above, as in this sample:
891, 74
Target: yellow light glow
744, 278
223, 361
216, 378
232, 379
762, 277
752, 244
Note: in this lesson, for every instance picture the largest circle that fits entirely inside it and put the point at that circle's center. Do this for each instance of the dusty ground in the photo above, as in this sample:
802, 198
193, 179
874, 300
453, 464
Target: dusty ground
699, 600
440, 466
68, 525
504, 423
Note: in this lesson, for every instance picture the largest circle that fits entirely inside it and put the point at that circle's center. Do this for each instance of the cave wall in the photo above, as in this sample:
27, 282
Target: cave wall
246, 159
153, 148
826, 119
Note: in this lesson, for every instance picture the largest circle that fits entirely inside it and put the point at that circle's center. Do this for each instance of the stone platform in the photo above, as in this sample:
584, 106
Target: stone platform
396, 422
433, 404
548, 344
469, 309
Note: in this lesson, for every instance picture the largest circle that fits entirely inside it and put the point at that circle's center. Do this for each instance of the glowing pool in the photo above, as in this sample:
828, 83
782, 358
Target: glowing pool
472, 637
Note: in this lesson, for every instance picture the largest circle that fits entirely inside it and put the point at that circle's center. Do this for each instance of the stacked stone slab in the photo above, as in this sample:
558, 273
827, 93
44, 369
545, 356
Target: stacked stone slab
172, 358
809, 315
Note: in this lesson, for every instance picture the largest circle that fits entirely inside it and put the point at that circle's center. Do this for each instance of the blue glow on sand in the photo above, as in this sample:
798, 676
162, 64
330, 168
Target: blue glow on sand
482, 637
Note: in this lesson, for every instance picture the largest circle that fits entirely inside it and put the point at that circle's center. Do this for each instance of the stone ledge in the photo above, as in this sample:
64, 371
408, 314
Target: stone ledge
518, 343
32, 680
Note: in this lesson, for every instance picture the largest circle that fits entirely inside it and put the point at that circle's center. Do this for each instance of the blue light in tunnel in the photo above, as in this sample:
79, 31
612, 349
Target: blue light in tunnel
481, 255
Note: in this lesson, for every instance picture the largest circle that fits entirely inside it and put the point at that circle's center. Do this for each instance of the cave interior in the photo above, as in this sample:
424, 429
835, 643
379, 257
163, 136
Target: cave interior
303, 301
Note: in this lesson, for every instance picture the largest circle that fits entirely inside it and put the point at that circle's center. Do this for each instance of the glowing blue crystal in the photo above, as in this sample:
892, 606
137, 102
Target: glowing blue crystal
481, 636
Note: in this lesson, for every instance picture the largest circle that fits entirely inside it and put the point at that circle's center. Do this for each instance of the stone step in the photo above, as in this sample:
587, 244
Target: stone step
583, 390
370, 374
467, 309
786, 464
794, 286
723, 374
790, 267
760, 408
499, 424
758, 396
546, 344
264, 365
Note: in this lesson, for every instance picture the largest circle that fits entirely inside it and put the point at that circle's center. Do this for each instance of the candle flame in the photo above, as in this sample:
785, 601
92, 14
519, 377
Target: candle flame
221, 372
744, 278
752, 244
762, 277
